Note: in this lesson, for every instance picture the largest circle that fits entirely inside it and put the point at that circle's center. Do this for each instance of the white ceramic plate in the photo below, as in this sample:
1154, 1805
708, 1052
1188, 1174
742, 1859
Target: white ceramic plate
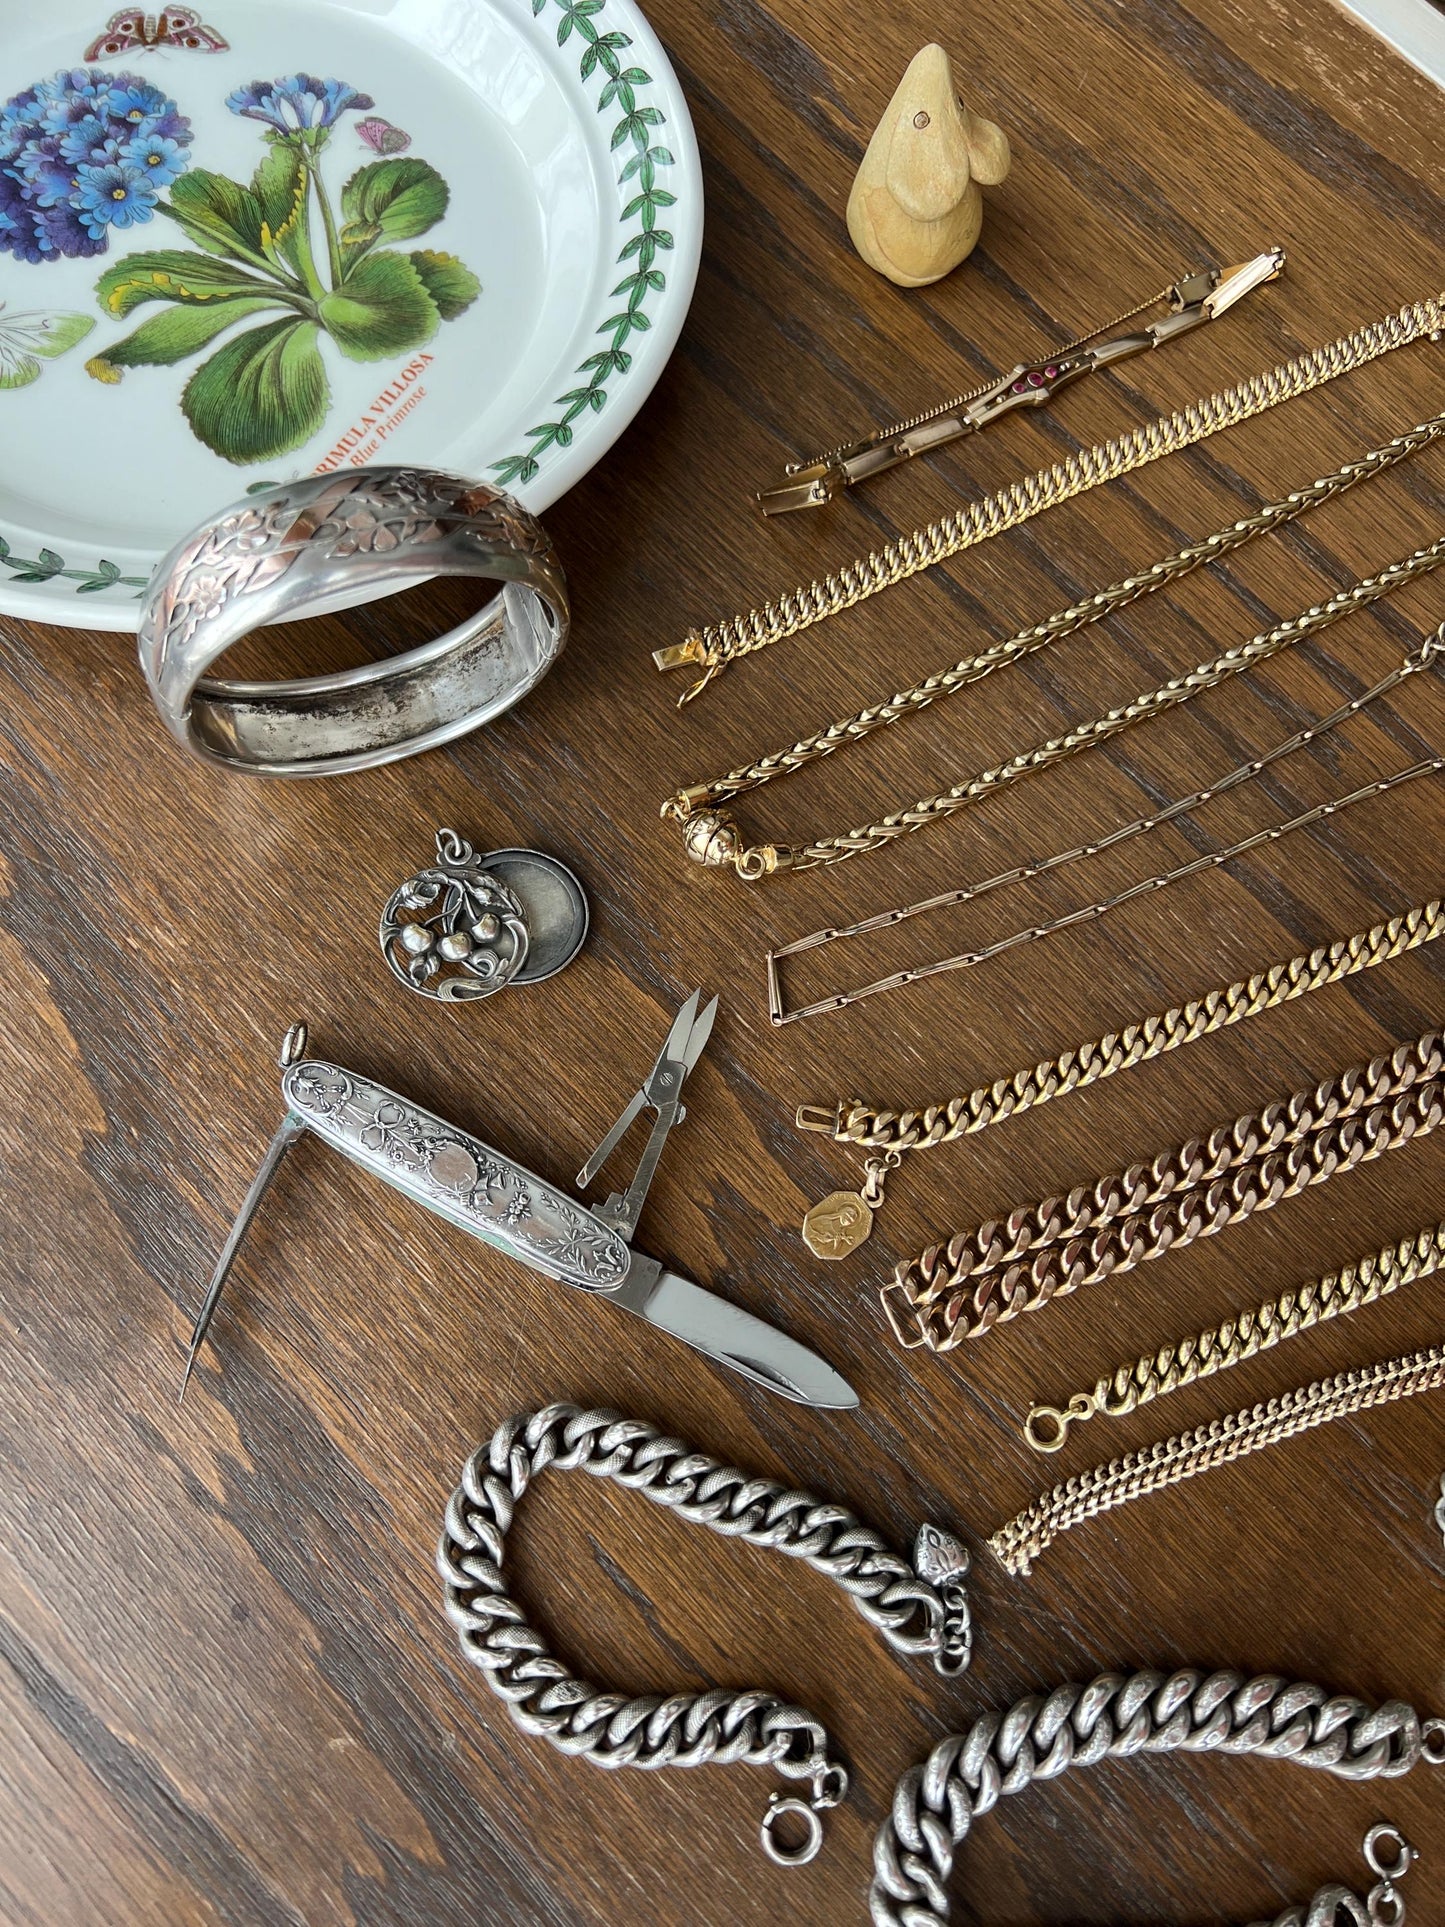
257, 238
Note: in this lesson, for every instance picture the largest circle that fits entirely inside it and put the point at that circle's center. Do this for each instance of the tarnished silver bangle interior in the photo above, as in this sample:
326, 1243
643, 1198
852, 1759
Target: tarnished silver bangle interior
383, 710
302, 547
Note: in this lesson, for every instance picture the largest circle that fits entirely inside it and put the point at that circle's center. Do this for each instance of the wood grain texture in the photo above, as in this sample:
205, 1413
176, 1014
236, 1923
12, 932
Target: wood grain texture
228, 1691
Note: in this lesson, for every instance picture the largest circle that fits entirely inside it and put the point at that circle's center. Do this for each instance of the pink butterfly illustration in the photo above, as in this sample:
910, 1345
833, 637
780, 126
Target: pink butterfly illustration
132, 30
381, 137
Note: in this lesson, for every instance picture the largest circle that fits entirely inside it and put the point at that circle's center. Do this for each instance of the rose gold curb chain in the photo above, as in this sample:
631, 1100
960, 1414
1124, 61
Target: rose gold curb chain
1007, 1266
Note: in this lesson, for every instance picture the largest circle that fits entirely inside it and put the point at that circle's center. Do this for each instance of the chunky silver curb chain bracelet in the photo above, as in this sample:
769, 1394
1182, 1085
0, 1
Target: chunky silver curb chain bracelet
918, 1608
1042, 1736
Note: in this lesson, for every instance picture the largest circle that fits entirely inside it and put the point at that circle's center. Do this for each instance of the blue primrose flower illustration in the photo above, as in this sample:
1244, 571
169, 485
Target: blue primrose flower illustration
117, 194
80, 154
277, 254
298, 103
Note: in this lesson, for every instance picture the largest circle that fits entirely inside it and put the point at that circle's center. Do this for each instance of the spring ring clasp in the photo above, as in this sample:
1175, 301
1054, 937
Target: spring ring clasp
830, 1785
1047, 1427
1384, 1901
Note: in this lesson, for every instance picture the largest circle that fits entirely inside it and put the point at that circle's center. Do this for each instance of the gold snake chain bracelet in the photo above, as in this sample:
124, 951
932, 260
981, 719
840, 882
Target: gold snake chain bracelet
960, 1290
893, 1133
1018, 1544
712, 647
1156, 1374
711, 835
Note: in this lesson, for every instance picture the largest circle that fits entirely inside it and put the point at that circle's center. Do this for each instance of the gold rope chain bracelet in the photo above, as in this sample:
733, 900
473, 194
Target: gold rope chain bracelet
711, 835
717, 644
842, 1221
1156, 1374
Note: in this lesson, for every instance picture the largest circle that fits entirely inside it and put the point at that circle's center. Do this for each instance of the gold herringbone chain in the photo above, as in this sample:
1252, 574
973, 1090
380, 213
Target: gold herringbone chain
717, 644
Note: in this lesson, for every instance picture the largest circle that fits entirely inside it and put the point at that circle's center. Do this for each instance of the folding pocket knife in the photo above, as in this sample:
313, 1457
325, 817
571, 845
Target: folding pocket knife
493, 1199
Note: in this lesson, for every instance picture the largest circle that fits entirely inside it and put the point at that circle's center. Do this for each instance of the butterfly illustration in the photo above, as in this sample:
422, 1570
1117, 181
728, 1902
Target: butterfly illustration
382, 137
132, 30
26, 340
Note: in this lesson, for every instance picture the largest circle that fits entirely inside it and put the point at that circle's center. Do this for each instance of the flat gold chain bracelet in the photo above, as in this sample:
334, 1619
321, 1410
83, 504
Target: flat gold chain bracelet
961, 1289
1018, 1544
1156, 1374
712, 647
889, 1134
711, 835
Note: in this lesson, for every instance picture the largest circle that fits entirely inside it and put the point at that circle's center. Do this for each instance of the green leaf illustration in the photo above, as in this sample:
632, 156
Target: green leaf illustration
218, 214
172, 274
391, 200
260, 395
451, 285
172, 335
28, 341
278, 188
380, 309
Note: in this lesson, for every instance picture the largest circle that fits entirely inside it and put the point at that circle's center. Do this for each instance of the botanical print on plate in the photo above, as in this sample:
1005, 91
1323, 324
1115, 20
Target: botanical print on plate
197, 260
83, 154
265, 390
27, 341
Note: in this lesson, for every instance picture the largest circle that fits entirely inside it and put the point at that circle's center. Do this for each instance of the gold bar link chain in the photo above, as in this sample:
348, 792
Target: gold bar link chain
1156, 1374
717, 644
1018, 1544
779, 1013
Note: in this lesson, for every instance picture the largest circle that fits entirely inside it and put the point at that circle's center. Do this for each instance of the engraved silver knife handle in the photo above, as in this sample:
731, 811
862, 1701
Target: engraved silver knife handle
456, 1175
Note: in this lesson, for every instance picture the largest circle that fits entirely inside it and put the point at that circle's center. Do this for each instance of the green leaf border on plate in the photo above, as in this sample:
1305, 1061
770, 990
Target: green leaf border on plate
636, 129
50, 567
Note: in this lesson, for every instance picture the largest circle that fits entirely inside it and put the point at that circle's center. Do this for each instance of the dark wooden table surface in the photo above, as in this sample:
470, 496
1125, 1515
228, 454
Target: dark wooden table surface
229, 1694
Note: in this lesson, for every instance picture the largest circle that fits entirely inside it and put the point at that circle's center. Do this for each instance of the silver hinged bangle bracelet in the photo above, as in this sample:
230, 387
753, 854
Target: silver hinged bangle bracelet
302, 546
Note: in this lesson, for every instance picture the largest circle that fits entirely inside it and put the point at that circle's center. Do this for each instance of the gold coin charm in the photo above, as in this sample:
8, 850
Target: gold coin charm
837, 1224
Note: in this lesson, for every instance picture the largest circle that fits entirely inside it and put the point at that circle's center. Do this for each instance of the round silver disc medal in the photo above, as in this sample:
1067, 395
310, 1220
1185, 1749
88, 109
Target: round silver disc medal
554, 905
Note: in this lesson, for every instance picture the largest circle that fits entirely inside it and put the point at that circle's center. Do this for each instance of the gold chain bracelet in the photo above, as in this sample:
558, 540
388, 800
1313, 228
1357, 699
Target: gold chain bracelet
1428, 654
1019, 1263
889, 1134
717, 835
710, 834
714, 646
1017, 1544
1156, 1374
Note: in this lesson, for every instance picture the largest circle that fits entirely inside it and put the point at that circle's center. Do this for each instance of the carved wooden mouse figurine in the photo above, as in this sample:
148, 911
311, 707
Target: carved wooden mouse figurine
915, 210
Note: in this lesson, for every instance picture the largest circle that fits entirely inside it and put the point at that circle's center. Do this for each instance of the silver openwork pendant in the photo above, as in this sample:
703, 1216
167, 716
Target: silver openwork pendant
454, 931
469, 925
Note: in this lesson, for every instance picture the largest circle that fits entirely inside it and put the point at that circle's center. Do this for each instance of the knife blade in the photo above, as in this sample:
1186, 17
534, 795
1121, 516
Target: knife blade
730, 1335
